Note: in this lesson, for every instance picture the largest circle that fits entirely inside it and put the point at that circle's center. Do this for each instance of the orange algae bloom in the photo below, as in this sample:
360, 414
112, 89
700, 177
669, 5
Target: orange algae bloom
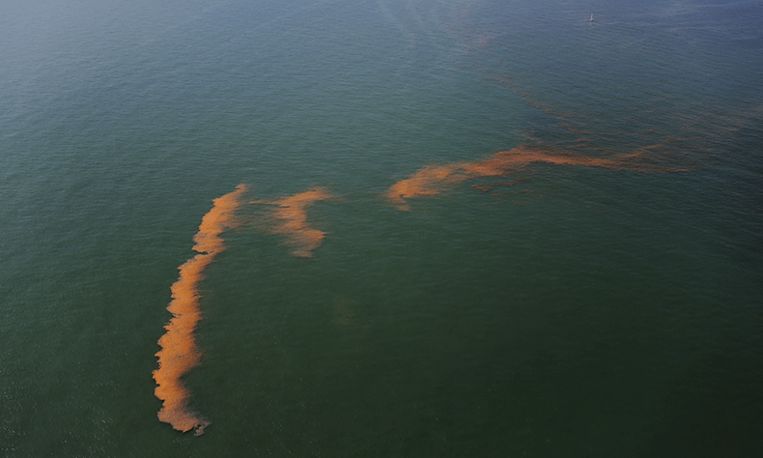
434, 179
291, 220
179, 352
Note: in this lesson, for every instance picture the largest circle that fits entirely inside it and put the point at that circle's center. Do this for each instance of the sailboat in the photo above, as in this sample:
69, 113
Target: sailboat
590, 19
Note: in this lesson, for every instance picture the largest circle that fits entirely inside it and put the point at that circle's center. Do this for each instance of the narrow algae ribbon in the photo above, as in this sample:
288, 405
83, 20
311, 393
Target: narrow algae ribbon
179, 352
432, 180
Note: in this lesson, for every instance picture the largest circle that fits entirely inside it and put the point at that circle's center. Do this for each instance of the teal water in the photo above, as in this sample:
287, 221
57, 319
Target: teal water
581, 312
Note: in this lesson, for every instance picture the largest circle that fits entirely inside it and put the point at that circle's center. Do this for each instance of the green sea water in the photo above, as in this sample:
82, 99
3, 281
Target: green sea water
580, 312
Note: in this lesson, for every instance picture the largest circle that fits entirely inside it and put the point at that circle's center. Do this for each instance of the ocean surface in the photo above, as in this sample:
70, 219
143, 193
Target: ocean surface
549, 310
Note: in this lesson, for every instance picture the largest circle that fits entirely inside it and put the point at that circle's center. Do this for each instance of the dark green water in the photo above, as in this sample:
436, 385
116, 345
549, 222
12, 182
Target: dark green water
582, 312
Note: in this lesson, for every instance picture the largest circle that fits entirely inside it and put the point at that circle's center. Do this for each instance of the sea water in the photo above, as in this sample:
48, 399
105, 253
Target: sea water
557, 310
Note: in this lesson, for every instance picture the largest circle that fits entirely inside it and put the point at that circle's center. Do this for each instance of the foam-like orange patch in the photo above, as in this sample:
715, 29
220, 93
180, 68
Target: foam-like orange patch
291, 221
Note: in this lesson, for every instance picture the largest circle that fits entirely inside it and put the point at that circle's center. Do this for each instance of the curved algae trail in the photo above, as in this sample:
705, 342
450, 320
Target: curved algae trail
179, 353
434, 179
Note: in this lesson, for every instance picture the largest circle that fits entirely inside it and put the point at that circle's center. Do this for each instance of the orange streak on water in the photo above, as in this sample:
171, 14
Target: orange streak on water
179, 352
434, 179
291, 221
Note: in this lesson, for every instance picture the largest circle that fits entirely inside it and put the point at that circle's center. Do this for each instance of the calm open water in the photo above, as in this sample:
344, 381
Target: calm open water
579, 312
